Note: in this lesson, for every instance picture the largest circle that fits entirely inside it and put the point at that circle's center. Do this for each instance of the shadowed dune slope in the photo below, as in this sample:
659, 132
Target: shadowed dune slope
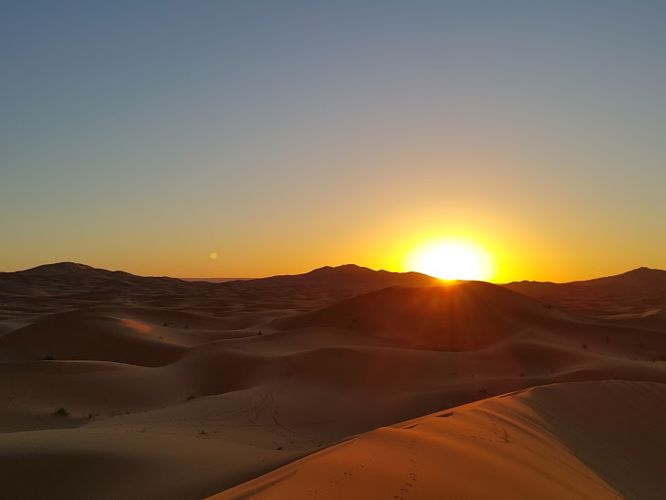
574, 440
87, 335
67, 464
459, 317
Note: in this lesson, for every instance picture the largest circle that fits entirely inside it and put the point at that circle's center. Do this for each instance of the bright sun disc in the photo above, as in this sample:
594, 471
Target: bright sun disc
453, 260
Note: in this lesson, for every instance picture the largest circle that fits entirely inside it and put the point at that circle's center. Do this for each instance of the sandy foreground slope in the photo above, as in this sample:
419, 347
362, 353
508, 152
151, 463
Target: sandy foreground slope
572, 440
172, 390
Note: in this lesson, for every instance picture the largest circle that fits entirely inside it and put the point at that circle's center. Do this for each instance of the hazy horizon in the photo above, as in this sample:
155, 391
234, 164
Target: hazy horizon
281, 137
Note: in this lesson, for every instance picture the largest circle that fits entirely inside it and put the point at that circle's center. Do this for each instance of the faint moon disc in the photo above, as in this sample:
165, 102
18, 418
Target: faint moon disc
212, 255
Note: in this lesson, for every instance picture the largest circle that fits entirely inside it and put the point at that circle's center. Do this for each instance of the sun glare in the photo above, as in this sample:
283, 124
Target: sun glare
453, 260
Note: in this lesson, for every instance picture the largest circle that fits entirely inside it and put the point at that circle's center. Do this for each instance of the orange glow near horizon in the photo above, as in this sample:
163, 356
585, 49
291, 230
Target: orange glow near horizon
453, 259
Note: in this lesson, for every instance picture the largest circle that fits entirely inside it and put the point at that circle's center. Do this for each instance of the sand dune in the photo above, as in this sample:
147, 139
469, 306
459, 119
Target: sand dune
458, 317
182, 391
576, 440
86, 335
117, 464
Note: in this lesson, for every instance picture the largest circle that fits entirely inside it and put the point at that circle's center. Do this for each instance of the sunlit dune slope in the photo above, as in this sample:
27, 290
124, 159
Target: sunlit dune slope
574, 440
460, 317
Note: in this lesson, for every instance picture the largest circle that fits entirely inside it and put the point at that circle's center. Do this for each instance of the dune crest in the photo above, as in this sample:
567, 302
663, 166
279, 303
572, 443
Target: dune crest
556, 441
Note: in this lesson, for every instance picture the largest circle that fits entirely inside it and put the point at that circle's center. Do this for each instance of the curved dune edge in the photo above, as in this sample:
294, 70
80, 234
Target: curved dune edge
602, 439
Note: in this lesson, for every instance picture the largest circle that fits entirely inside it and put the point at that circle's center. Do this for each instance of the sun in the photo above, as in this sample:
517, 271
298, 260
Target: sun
452, 259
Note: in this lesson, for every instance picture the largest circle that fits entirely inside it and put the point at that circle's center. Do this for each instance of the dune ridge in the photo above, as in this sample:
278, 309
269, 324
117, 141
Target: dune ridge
567, 440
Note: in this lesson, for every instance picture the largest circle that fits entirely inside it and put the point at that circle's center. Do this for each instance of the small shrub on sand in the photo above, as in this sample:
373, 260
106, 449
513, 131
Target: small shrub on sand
61, 412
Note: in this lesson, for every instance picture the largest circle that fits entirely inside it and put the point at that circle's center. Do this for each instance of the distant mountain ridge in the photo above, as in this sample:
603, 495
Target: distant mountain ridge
80, 284
639, 276
322, 274
74, 269
342, 277
633, 292
640, 291
65, 278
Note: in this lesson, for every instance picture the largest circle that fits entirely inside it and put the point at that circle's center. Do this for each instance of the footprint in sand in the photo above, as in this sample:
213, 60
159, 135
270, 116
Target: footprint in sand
412, 474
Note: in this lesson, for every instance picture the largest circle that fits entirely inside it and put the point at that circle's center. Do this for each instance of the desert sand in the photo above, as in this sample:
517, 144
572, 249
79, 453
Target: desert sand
568, 440
316, 386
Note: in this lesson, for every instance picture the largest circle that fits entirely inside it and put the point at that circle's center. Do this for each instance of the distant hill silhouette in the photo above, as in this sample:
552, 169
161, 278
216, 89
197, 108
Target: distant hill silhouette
345, 277
68, 278
77, 284
638, 291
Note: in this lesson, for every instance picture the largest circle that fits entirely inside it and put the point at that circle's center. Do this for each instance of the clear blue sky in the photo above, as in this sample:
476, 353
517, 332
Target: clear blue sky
286, 135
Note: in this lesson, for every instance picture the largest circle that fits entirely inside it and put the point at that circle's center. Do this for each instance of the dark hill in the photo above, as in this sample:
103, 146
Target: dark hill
459, 317
639, 291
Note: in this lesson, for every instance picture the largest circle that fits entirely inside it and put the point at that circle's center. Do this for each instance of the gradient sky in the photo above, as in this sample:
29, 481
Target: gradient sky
289, 135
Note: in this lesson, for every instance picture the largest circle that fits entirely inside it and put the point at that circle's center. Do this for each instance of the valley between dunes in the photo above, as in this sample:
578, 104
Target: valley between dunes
338, 383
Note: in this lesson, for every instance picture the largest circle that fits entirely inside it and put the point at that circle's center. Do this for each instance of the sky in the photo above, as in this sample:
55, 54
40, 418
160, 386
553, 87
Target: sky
288, 135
